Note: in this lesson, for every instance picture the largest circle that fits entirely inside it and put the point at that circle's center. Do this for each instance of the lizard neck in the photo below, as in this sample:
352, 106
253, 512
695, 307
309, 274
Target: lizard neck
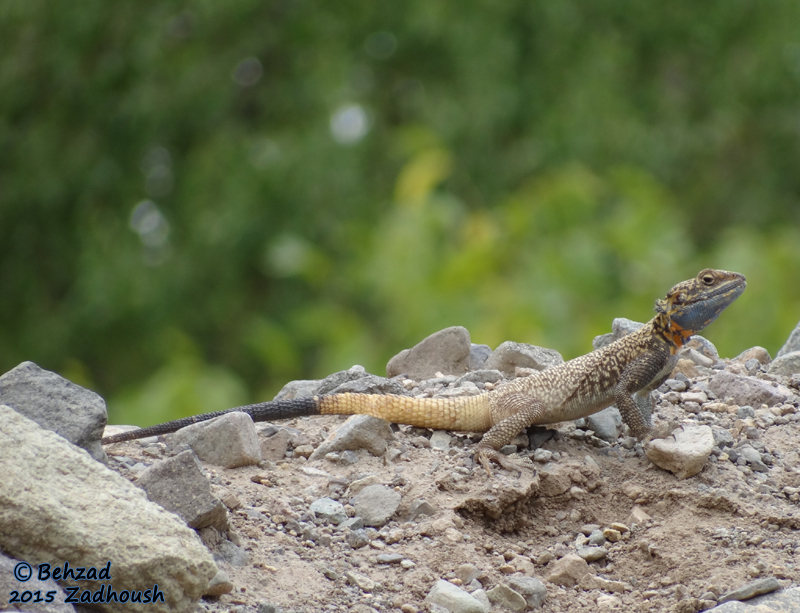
670, 332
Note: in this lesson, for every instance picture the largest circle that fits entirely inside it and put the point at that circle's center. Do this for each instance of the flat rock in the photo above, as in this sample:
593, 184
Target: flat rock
792, 343
684, 453
785, 365
446, 351
358, 432
371, 384
56, 404
510, 355
302, 388
376, 504
745, 390
179, 485
453, 598
57, 504
229, 440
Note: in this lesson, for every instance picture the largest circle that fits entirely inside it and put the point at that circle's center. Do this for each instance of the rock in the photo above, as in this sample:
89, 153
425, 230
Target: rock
754, 588
376, 504
446, 351
592, 582
58, 504
592, 554
785, 365
372, 384
364, 583
532, 590
684, 453
453, 598
229, 440
357, 538
792, 344
606, 602
745, 390
605, 424
638, 516
420, 507
356, 486
754, 353
753, 458
8, 582
478, 354
298, 389
331, 382
56, 404
178, 485
440, 440
510, 355
568, 571
219, 585
619, 327
328, 510
504, 596
480, 376
358, 432
703, 346
274, 448
555, 480
389, 558
467, 573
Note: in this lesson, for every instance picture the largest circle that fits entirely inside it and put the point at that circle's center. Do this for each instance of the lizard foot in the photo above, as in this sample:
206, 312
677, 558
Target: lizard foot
487, 455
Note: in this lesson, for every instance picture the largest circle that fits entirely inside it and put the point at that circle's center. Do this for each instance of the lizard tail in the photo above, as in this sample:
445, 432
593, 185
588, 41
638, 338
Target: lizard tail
465, 413
264, 411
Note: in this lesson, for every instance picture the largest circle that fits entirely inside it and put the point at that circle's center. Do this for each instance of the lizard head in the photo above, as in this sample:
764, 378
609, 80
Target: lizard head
692, 305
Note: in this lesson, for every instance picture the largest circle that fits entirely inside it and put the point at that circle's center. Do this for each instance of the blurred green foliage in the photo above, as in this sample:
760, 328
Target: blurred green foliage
201, 201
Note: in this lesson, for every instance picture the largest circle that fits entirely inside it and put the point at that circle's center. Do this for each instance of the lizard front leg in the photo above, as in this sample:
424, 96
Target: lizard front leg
641, 375
522, 411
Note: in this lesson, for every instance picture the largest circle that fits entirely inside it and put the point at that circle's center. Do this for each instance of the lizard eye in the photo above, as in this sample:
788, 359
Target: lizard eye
708, 278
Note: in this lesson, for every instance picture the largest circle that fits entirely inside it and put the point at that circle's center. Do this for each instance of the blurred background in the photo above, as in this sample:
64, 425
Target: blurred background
200, 201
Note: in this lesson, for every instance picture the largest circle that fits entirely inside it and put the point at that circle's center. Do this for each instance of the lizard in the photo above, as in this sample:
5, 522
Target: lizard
622, 373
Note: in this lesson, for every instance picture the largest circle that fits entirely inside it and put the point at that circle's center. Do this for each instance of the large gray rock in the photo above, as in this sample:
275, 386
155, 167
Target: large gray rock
56, 404
229, 440
684, 453
179, 485
792, 343
785, 365
746, 390
510, 355
57, 504
446, 351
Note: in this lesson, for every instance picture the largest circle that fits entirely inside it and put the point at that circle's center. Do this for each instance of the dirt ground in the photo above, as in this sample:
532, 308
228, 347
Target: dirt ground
691, 541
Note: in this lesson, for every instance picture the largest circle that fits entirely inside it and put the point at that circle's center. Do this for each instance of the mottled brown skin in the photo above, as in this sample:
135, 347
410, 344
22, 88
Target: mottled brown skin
622, 373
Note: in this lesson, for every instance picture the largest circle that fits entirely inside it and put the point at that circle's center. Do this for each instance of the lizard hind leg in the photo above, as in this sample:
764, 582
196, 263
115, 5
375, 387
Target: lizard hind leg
522, 412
